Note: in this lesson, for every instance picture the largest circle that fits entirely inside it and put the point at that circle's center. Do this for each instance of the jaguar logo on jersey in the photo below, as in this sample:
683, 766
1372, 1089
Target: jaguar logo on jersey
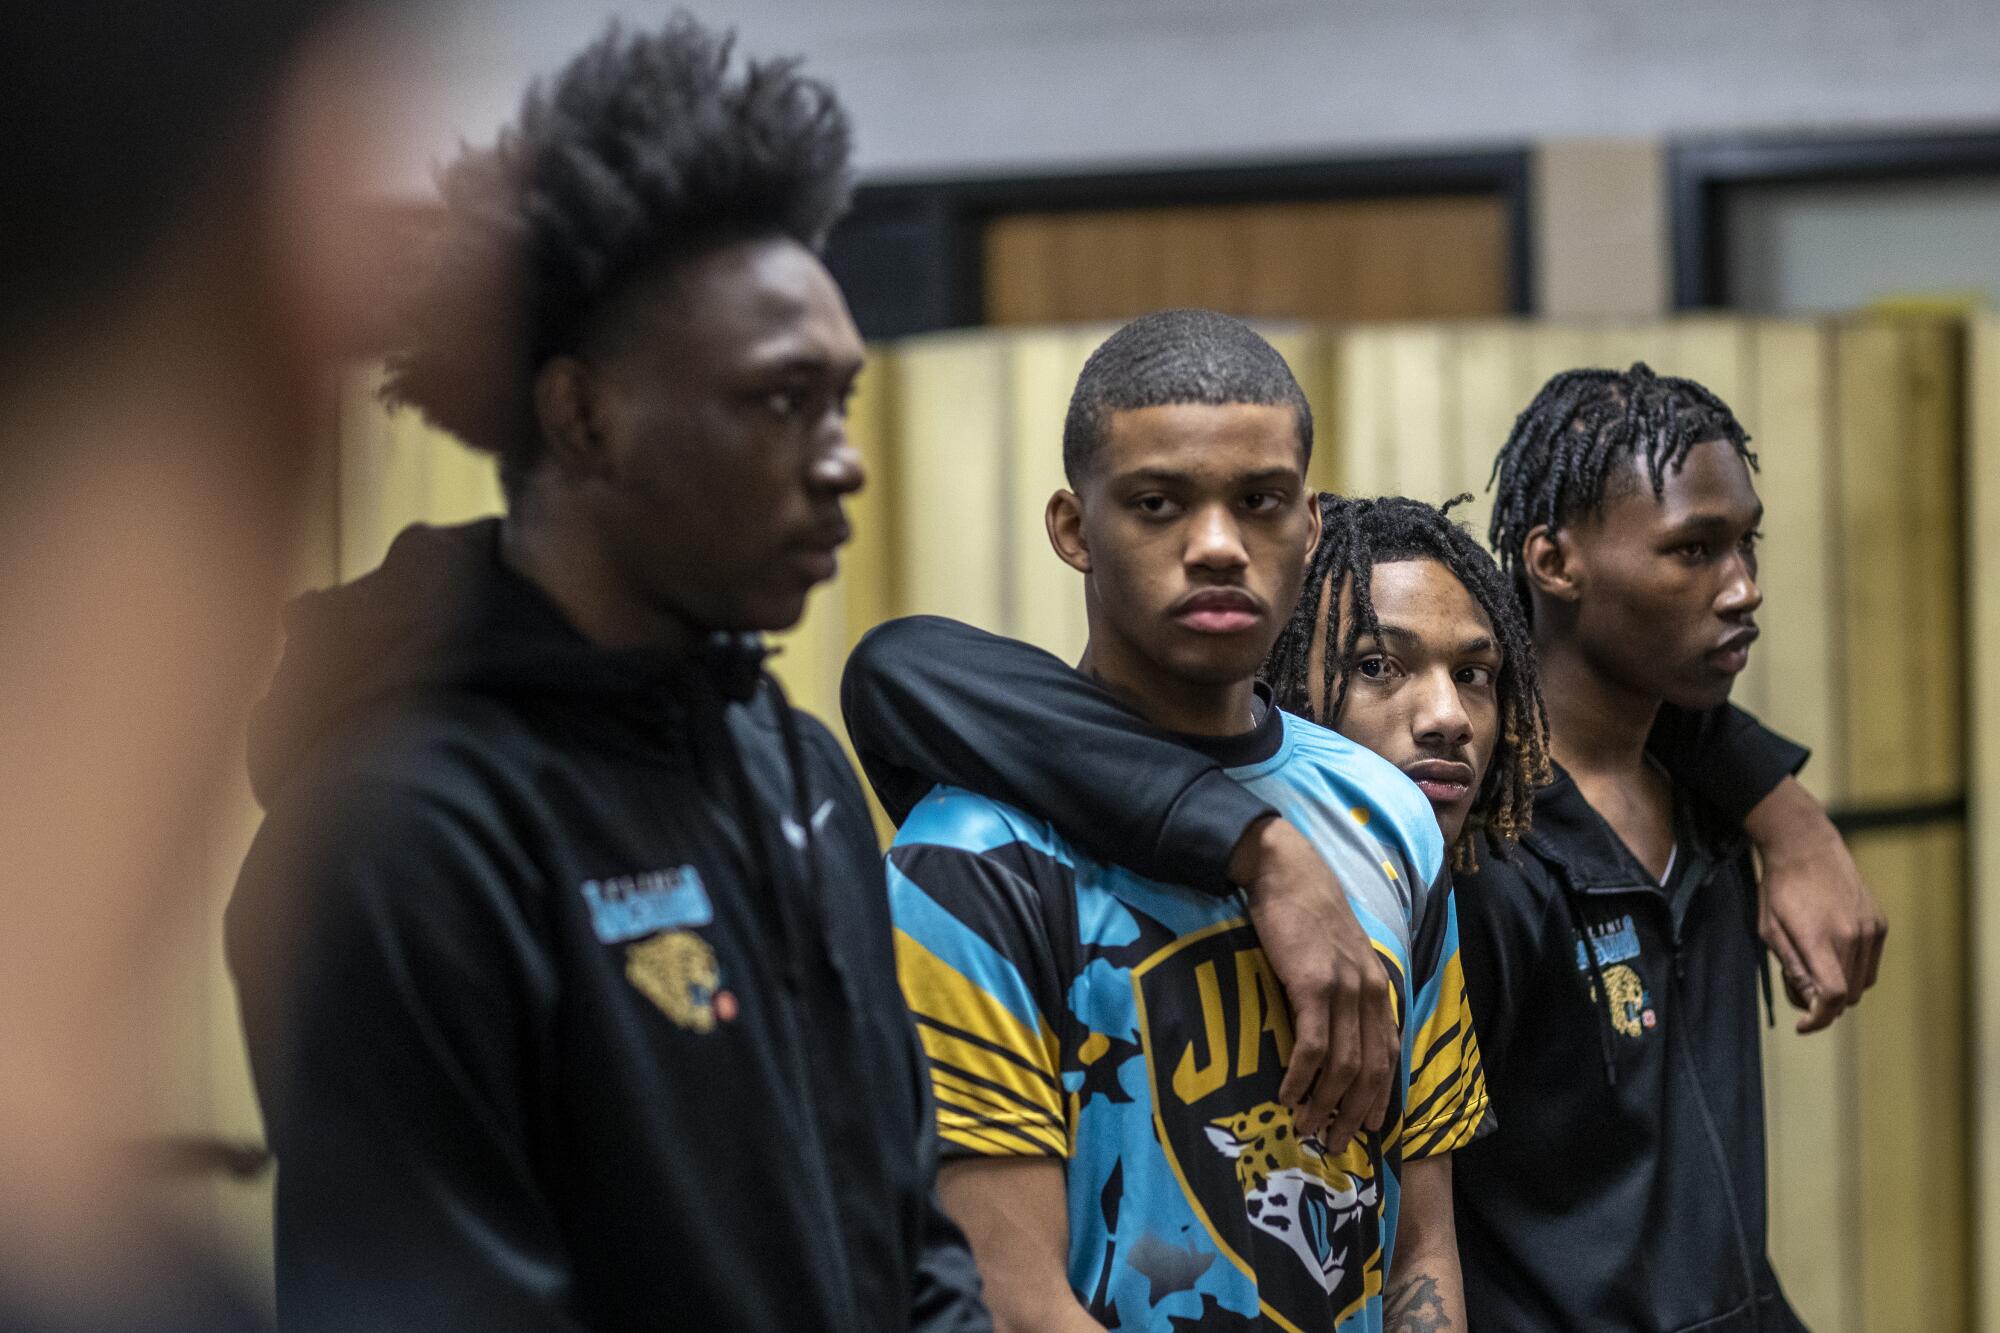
1303, 1225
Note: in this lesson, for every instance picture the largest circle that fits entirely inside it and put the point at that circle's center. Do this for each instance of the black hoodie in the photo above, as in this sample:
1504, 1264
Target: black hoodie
568, 983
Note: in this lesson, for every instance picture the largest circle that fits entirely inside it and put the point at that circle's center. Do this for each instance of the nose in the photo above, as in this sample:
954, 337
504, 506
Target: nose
1739, 595
836, 464
1439, 723
1214, 540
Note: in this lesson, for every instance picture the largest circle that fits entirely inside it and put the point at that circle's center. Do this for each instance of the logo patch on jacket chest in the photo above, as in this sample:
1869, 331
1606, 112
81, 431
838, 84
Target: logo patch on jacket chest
1616, 944
632, 906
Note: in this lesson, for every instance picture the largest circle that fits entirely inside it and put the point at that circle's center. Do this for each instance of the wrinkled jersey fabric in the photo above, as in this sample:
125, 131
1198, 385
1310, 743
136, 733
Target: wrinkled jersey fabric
1075, 1010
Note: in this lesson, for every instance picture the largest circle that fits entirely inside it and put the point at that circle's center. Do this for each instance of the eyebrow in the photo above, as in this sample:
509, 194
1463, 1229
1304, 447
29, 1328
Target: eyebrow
1482, 643
806, 363
1165, 476
1713, 522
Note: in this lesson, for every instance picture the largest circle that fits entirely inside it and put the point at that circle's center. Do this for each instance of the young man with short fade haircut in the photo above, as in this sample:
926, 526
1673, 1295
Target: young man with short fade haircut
1108, 1051
564, 951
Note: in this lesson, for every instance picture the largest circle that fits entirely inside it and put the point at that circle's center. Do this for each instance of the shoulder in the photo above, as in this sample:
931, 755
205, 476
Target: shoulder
960, 847
1511, 883
447, 748
966, 821
1374, 792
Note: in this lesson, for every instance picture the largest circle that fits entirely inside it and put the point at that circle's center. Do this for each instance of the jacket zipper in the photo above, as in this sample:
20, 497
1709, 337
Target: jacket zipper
1709, 1129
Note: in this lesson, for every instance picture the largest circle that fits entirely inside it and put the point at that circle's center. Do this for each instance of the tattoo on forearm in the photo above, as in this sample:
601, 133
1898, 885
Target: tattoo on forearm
1416, 1307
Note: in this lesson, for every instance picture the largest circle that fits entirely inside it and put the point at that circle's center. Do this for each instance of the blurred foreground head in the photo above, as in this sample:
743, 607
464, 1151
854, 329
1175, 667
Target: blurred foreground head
178, 268
629, 311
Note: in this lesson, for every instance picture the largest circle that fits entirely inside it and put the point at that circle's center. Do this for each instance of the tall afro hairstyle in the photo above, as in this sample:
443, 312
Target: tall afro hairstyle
648, 149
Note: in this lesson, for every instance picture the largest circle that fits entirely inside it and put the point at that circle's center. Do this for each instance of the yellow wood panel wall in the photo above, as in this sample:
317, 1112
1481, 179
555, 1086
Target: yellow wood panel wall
1983, 565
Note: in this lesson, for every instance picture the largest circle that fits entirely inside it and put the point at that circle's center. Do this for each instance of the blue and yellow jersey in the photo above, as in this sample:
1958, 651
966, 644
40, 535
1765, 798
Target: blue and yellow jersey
1071, 1009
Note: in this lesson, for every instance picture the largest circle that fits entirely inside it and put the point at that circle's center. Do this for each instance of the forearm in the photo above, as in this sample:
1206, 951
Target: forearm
1015, 1214
1425, 1292
1427, 1295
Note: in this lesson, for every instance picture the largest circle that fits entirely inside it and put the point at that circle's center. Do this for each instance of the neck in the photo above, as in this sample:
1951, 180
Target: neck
1597, 727
544, 541
1174, 703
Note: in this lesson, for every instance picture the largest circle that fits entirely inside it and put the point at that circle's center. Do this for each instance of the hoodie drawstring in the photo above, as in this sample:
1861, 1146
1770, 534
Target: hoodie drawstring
1602, 998
803, 816
712, 724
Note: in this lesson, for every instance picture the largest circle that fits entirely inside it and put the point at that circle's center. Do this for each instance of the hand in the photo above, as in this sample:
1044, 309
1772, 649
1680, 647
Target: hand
1345, 1042
1813, 909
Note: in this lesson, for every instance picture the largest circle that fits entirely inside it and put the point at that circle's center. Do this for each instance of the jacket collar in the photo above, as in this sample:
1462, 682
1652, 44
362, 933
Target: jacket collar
1569, 832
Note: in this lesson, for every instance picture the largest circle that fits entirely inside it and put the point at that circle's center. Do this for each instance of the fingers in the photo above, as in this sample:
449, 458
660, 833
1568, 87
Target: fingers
1790, 965
1381, 1049
1334, 1108
1309, 1041
1822, 1010
1821, 958
1878, 935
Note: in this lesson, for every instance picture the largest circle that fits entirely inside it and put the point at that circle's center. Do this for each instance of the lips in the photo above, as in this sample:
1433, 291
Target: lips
1444, 781
816, 556
1218, 611
1733, 653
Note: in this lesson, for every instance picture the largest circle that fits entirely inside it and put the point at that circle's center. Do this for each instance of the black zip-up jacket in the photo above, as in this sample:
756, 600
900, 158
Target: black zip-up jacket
930, 700
1635, 1066
568, 983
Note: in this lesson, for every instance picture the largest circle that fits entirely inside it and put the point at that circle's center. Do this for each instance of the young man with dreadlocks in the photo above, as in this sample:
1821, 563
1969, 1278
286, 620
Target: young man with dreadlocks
1628, 922
1108, 1050
564, 948
1408, 640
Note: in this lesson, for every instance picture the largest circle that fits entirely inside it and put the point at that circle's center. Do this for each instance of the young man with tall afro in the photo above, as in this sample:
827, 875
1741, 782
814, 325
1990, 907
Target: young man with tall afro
564, 949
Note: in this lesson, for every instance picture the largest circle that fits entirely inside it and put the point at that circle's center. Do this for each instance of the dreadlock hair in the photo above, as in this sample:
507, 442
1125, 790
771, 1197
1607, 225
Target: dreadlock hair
1176, 356
1558, 463
648, 149
1355, 536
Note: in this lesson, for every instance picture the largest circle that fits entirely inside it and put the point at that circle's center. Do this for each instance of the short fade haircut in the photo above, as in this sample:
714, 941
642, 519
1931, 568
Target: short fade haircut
1176, 356
647, 150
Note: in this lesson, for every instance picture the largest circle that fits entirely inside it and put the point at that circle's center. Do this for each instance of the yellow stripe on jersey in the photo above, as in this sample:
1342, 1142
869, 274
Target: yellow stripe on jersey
1447, 1089
993, 1077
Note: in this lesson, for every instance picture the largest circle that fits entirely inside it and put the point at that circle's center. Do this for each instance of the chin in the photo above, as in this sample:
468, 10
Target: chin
1699, 696
1216, 662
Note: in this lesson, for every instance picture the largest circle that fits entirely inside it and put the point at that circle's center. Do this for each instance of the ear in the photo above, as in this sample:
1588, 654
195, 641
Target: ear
1549, 558
1064, 520
1313, 519
566, 413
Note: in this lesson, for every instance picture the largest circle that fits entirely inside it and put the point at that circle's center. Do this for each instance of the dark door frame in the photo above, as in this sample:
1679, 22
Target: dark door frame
1700, 173
909, 252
